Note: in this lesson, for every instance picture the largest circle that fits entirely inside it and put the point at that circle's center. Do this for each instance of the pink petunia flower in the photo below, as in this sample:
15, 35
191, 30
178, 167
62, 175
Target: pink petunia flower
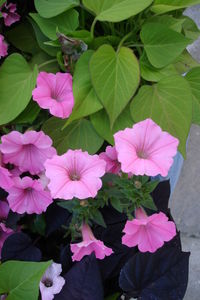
148, 233
51, 282
28, 151
75, 174
54, 92
3, 47
89, 245
28, 195
112, 163
5, 232
145, 149
9, 14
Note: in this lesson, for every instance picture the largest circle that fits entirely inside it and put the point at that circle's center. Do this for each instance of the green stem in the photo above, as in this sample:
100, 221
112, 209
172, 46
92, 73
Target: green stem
47, 62
92, 28
123, 40
135, 45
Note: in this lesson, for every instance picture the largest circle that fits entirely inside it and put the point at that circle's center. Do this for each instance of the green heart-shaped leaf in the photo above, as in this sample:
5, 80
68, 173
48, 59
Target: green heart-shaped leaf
17, 80
20, 279
162, 44
116, 10
52, 8
193, 77
169, 104
115, 78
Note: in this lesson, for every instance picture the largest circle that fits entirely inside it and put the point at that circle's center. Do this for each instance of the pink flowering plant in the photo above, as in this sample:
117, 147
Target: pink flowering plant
94, 113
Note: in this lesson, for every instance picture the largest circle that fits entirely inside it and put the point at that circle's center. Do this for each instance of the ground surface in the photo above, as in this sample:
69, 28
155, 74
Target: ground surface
185, 202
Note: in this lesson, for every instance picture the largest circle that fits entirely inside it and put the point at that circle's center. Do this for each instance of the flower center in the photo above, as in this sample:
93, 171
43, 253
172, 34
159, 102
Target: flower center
48, 282
74, 177
29, 189
142, 154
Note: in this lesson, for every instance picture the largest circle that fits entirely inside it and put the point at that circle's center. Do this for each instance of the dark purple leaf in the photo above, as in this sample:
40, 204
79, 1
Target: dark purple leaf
160, 275
83, 281
19, 246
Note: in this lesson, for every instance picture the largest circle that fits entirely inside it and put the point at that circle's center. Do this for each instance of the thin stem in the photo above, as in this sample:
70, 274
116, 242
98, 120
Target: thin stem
92, 28
135, 45
47, 62
123, 40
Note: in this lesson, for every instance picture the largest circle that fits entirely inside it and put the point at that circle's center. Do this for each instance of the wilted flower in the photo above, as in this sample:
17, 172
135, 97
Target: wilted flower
110, 157
3, 47
54, 92
9, 14
75, 174
145, 149
51, 282
89, 245
28, 151
28, 195
148, 233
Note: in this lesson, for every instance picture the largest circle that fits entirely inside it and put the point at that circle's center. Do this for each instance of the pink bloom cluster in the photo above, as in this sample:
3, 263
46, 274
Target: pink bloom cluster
27, 153
51, 282
89, 245
3, 47
4, 231
54, 92
9, 13
148, 233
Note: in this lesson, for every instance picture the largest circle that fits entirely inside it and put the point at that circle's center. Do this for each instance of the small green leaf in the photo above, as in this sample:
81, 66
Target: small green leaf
115, 202
67, 21
23, 38
78, 135
149, 73
98, 218
116, 10
162, 44
163, 6
101, 123
69, 205
86, 101
52, 8
42, 39
193, 77
185, 62
28, 115
169, 104
148, 203
20, 279
115, 78
17, 80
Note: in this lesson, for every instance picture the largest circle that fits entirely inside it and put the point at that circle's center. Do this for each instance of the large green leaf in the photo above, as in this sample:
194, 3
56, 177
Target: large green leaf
169, 104
193, 77
150, 73
163, 6
23, 38
52, 8
116, 10
86, 101
17, 81
67, 21
78, 135
28, 115
169, 21
42, 39
115, 77
162, 44
20, 279
101, 123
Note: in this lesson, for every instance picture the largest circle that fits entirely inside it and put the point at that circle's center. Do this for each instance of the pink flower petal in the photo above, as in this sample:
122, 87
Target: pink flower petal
54, 92
28, 196
28, 151
110, 157
149, 233
74, 174
3, 47
145, 149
